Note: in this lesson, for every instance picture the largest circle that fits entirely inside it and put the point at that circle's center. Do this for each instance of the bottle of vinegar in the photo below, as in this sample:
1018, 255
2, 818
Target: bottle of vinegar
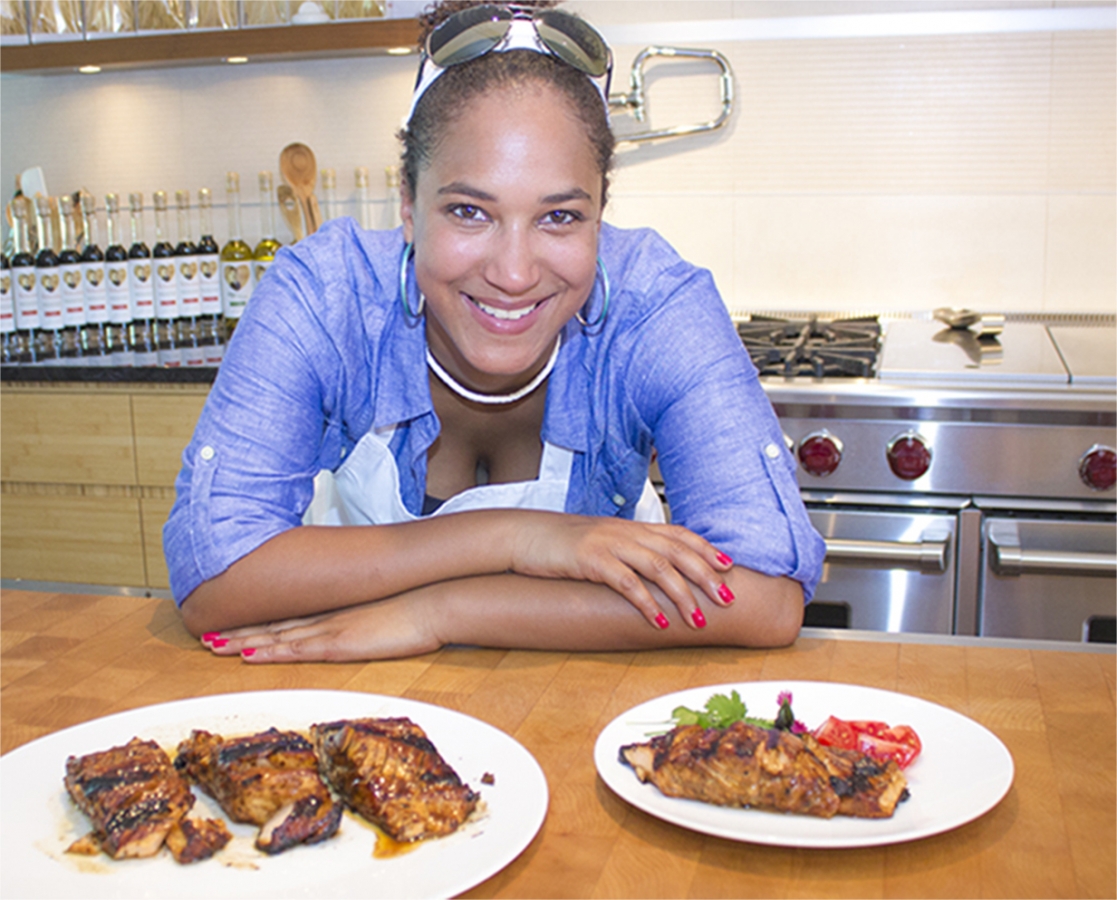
141, 277
166, 288
48, 286
73, 292
364, 205
8, 352
94, 340
269, 245
189, 289
211, 323
236, 260
117, 286
26, 299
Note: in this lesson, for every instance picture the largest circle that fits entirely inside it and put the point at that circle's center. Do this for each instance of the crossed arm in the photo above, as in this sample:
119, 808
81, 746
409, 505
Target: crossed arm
498, 578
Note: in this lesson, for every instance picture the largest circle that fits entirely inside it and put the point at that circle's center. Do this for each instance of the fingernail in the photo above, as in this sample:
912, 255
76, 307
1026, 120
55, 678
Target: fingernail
725, 593
220, 642
210, 635
724, 559
698, 618
661, 621
248, 651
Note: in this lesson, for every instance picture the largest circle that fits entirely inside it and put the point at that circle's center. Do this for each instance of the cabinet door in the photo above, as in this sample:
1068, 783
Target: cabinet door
164, 425
155, 511
63, 438
70, 537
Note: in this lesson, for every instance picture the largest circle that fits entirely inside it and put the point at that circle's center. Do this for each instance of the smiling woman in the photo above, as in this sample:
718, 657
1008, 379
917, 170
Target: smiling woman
442, 433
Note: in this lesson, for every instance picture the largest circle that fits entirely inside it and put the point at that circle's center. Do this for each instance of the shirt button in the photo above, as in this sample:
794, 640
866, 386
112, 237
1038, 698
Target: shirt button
207, 452
772, 451
343, 453
618, 500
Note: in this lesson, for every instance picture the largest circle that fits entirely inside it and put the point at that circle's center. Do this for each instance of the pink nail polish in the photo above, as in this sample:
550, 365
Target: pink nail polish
219, 642
726, 594
661, 621
698, 618
724, 559
210, 635
248, 651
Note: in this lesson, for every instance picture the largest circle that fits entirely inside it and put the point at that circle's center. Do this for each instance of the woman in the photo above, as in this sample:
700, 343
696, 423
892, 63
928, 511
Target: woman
482, 394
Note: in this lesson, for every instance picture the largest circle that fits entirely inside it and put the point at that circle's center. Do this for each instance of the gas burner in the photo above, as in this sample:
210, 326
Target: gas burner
841, 348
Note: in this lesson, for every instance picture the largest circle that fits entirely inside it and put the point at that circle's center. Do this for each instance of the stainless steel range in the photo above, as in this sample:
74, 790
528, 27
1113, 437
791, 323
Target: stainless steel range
962, 474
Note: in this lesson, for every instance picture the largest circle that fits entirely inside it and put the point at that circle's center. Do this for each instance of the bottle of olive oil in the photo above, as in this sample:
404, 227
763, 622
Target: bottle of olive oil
94, 339
166, 287
211, 324
117, 286
264, 254
189, 290
26, 299
48, 284
70, 275
236, 260
141, 277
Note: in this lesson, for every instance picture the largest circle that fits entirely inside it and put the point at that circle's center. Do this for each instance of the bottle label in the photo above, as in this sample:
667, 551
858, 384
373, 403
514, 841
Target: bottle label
236, 286
50, 299
96, 297
166, 289
260, 268
73, 295
193, 355
141, 280
189, 291
26, 299
119, 292
214, 353
145, 358
7, 303
209, 284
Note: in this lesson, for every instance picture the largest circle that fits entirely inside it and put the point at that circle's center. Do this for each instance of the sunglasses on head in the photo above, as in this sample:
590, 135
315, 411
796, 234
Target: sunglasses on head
477, 30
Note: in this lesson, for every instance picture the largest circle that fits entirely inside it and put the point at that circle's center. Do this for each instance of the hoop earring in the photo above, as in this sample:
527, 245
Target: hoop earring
408, 255
605, 304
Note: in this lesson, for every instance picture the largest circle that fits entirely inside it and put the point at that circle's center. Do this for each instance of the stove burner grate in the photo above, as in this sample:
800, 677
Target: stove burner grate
841, 348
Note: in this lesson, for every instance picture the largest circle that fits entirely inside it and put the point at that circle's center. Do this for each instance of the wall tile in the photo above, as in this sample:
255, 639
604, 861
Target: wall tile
1080, 273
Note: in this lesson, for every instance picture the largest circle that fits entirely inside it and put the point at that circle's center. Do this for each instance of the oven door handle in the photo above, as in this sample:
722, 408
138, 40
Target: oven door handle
928, 556
1012, 559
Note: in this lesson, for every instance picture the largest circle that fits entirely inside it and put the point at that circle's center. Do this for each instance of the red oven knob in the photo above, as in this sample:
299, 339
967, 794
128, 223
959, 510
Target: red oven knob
908, 455
1098, 467
820, 452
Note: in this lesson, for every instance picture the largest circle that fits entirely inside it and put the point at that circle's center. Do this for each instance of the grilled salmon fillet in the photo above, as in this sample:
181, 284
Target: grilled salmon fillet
268, 779
192, 840
132, 795
389, 772
745, 765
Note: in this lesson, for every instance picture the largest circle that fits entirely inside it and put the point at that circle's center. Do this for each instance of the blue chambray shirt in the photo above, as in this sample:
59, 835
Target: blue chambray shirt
325, 352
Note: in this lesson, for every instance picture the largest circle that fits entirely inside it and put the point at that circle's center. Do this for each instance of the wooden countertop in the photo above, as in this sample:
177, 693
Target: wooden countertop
69, 658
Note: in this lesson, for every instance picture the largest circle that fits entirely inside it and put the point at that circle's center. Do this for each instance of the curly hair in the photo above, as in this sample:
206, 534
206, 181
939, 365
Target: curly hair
446, 99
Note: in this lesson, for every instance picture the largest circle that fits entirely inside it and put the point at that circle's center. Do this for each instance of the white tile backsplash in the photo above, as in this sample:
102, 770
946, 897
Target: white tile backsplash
857, 173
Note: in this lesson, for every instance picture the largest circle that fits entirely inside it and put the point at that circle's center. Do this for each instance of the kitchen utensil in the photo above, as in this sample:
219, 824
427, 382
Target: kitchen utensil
300, 170
979, 323
291, 209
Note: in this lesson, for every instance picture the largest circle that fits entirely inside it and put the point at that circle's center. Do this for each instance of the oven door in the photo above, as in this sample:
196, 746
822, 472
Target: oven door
890, 565
1049, 576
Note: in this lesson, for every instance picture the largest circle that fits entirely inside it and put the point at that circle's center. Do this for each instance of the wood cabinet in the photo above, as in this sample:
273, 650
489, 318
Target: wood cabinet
87, 479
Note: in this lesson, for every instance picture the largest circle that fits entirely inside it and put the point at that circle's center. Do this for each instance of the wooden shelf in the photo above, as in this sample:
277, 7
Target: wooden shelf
191, 48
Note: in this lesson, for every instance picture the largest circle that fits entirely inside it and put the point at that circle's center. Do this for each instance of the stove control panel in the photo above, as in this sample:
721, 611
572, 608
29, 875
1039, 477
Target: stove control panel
820, 452
1098, 468
908, 455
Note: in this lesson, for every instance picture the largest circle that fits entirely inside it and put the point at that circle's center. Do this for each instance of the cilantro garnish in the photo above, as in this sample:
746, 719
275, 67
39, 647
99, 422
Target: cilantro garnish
722, 711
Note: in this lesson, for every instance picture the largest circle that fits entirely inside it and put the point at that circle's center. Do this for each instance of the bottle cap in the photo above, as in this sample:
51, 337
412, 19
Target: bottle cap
361, 176
111, 203
159, 199
182, 199
204, 197
43, 205
232, 182
136, 201
265, 182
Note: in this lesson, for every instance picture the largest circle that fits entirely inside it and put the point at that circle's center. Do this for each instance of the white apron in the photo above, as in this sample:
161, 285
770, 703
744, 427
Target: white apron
365, 490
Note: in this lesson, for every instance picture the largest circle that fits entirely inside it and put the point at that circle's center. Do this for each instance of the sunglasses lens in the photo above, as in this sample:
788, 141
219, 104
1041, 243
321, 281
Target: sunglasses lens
573, 41
466, 35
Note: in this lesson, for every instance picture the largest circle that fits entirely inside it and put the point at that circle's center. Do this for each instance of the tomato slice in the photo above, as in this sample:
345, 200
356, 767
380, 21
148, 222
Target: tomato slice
876, 739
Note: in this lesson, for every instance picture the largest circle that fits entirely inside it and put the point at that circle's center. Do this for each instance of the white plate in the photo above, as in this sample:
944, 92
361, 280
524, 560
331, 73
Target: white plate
38, 821
962, 773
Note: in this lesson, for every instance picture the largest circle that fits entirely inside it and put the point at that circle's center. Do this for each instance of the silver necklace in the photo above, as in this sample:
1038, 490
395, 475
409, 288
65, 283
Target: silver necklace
494, 399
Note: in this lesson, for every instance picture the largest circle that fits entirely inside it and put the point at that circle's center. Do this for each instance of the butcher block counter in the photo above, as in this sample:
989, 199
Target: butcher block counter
71, 658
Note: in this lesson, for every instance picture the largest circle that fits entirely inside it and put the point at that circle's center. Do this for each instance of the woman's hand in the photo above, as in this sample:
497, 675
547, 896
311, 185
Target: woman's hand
621, 554
385, 629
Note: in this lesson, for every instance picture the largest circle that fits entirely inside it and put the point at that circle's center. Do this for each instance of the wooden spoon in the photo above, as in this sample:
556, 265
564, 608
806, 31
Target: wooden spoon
290, 207
300, 170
